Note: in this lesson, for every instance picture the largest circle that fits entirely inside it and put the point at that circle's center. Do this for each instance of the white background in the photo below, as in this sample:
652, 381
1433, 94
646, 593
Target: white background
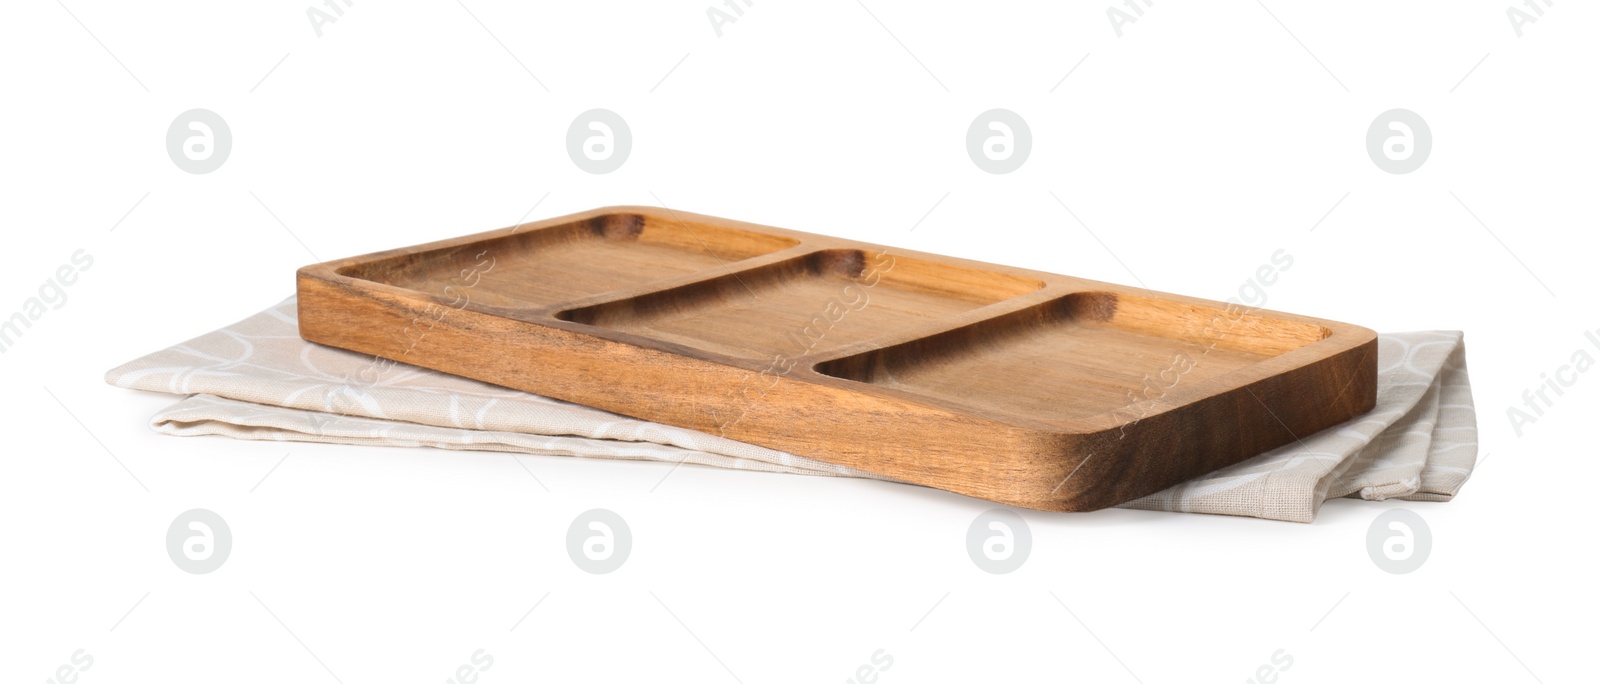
1193, 146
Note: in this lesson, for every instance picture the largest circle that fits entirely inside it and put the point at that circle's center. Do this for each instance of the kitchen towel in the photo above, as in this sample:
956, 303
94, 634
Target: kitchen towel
257, 379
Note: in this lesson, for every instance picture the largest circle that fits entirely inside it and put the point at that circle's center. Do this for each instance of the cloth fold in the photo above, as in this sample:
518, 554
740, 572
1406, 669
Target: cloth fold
257, 379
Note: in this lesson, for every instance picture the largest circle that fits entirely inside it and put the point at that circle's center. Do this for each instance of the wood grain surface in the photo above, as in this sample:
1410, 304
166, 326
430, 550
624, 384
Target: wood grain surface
1026, 388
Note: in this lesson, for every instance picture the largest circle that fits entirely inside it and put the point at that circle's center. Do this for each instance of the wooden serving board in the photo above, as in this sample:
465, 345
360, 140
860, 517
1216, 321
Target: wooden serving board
1032, 389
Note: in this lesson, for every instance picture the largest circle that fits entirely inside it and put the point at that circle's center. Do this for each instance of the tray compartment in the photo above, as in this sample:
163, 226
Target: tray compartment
549, 266
1078, 356
810, 304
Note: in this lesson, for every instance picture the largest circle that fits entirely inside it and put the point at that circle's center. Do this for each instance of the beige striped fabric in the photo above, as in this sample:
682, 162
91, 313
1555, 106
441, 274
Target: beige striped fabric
256, 379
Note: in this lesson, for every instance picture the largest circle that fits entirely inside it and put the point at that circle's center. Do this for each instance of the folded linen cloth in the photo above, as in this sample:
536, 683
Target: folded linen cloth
257, 379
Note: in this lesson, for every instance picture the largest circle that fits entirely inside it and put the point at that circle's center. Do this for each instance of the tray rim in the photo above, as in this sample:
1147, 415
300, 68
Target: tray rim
1342, 337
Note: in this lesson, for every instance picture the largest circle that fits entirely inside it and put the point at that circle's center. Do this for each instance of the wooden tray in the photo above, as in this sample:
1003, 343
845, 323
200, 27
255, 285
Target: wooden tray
1026, 388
